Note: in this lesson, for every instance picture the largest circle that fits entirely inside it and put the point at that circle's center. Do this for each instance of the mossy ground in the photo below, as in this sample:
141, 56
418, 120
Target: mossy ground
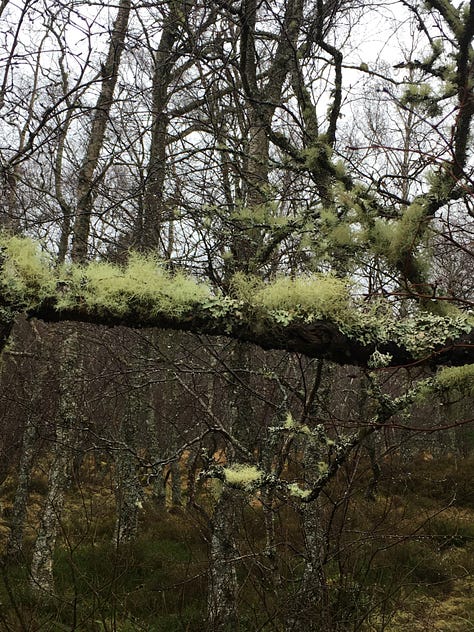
407, 560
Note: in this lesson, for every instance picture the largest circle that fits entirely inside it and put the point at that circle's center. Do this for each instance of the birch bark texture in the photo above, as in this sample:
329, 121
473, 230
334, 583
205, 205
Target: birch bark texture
63, 450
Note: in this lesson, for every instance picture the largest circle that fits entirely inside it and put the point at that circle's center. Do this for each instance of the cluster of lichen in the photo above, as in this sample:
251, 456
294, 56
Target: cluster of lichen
242, 475
142, 285
456, 378
298, 492
422, 333
315, 296
420, 96
406, 231
356, 222
287, 299
27, 275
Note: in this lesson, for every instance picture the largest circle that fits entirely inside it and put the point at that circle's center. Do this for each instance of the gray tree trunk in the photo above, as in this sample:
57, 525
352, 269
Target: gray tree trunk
176, 485
14, 547
158, 489
223, 586
222, 592
149, 226
311, 611
86, 181
128, 489
41, 579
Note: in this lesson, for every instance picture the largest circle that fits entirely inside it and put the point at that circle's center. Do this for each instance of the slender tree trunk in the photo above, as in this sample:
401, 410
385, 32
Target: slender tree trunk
128, 489
223, 586
155, 451
42, 580
149, 228
176, 485
222, 592
158, 489
311, 613
87, 178
14, 547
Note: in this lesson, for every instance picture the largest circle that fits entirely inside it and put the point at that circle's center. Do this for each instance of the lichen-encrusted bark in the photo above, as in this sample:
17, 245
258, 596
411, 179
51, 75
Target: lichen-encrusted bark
41, 579
223, 586
315, 316
128, 489
310, 612
222, 589
155, 454
14, 547
310, 609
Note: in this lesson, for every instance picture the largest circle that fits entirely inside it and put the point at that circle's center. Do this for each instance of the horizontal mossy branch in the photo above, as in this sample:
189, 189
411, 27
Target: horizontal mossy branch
313, 315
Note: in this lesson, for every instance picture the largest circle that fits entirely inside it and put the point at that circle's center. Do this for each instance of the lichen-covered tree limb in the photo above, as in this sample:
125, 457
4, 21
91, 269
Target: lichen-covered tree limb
313, 315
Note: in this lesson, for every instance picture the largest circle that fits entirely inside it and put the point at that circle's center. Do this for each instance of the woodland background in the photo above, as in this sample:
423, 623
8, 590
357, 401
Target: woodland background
160, 479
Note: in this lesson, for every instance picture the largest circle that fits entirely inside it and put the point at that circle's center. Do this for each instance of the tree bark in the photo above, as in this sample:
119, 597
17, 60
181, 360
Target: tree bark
149, 227
14, 549
41, 579
87, 177
223, 587
128, 489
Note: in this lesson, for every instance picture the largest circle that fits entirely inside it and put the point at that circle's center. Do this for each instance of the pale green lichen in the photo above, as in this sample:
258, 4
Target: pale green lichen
27, 274
379, 360
295, 490
143, 285
456, 378
380, 236
243, 287
290, 423
316, 296
424, 332
341, 235
293, 426
241, 475
406, 231
317, 156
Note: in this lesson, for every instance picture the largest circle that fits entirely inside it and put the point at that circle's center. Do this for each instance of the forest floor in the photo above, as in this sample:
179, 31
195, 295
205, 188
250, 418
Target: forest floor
402, 562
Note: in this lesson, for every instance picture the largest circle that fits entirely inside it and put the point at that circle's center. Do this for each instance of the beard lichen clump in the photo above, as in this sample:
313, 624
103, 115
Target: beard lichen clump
311, 297
143, 285
241, 475
456, 378
27, 275
406, 231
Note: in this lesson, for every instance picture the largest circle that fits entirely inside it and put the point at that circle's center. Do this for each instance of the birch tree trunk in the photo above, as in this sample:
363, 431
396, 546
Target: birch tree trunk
222, 591
42, 580
14, 549
128, 489
158, 490
149, 226
87, 179
311, 611
176, 486
223, 587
